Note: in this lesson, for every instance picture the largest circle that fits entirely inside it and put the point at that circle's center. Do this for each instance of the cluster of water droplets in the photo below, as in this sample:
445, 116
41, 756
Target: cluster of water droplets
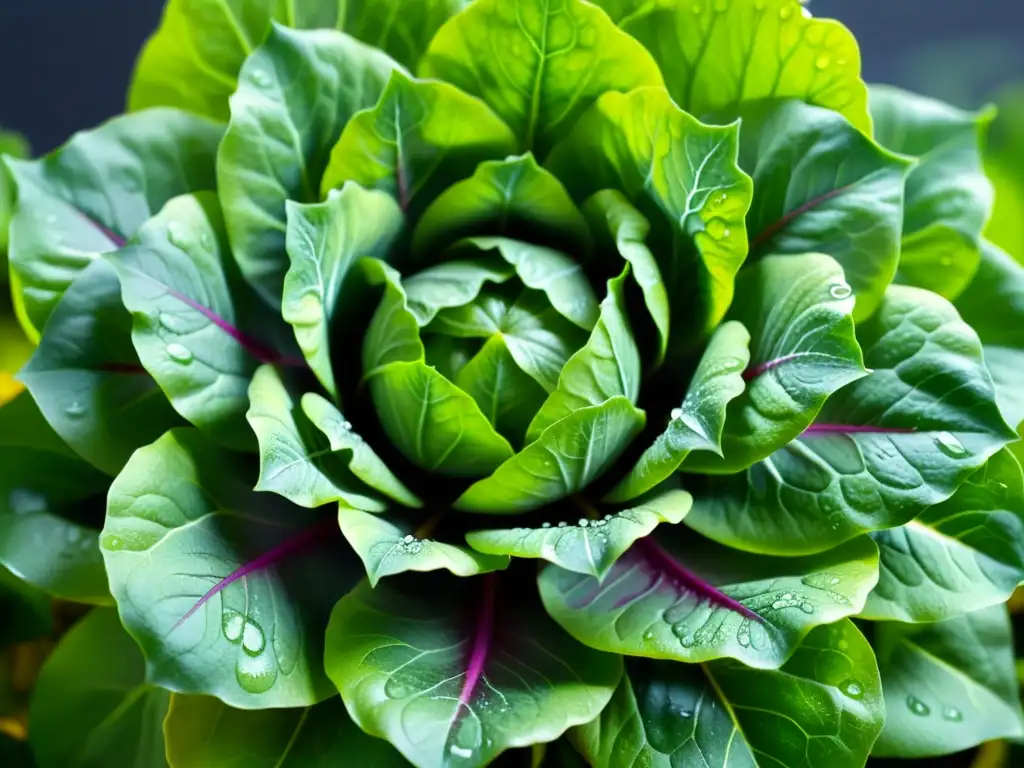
582, 523
410, 545
255, 671
919, 708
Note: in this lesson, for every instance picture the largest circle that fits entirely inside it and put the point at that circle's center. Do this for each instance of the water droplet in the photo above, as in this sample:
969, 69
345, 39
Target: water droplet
607, 518
415, 548
346, 425
716, 228
409, 538
788, 596
233, 624
112, 543
545, 525
840, 290
25, 502
852, 688
261, 78
179, 354
807, 608
648, 635
918, 707
174, 323
726, 232
950, 445
677, 413
462, 752
785, 12
822, 62
952, 714
253, 641
75, 410
584, 522
256, 674
683, 713
177, 235
562, 524
686, 638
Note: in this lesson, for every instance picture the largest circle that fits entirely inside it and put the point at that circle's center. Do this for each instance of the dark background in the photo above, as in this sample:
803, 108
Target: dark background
65, 64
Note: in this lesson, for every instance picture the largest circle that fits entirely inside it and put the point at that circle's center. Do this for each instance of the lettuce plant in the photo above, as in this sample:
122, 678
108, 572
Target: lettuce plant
615, 382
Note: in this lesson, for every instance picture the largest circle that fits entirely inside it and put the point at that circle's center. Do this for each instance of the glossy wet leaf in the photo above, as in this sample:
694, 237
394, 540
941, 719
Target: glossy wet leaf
51, 507
590, 545
203, 732
446, 691
87, 379
822, 186
948, 686
799, 311
958, 556
204, 572
92, 706
452, 284
296, 92
564, 459
95, 192
683, 176
324, 241
176, 281
823, 707
721, 54
398, 542
415, 141
193, 59
655, 603
606, 367
537, 63
881, 449
698, 423
948, 197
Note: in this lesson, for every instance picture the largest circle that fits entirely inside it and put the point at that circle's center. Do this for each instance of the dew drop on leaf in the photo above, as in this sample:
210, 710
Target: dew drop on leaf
918, 707
852, 688
822, 62
952, 714
256, 674
253, 640
677, 413
840, 290
716, 228
545, 525
112, 543
233, 624
409, 538
179, 354
584, 522
176, 234
562, 524
75, 410
461, 752
950, 445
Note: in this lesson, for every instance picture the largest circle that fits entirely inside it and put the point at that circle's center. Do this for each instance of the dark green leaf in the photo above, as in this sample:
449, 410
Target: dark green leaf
296, 92
678, 596
538, 63
207, 574
92, 706
91, 195
27, 611
324, 241
87, 379
948, 686
446, 691
419, 138
881, 450
822, 186
592, 545
822, 708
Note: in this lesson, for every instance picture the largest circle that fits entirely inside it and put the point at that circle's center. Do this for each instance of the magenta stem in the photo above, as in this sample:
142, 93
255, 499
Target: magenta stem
481, 640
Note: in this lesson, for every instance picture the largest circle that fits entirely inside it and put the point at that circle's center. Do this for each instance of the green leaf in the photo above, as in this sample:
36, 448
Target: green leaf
398, 543
822, 186
297, 461
590, 546
86, 377
296, 92
11, 145
420, 136
798, 310
204, 572
564, 459
51, 507
402, 29
91, 195
92, 706
362, 460
948, 197
445, 691
823, 707
993, 305
175, 280
324, 240
948, 686
608, 366
433, 422
676, 595
682, 175
698, 424
506, 394
611, 214
203, 732
956, 557
504, 197
539, 64
193, 59
452, 284
718, 55
881, 450
27, 612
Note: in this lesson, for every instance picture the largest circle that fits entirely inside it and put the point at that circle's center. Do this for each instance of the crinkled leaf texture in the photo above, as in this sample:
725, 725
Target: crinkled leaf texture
822, 707
456, 677
207, 576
